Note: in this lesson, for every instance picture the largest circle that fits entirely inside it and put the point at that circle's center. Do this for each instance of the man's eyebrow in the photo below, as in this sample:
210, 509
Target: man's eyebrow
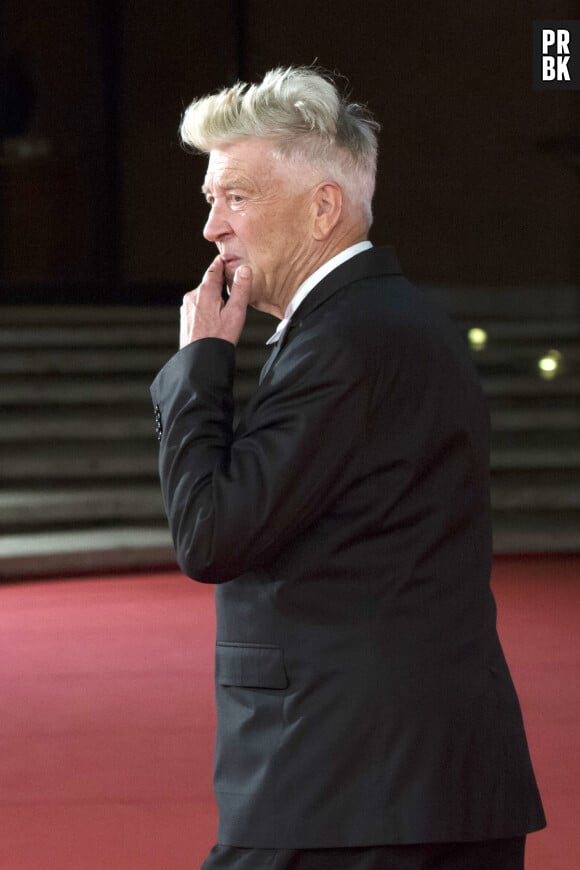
229, 182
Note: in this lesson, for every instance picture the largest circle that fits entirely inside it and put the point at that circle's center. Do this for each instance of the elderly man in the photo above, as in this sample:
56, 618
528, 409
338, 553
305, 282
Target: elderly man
366, 715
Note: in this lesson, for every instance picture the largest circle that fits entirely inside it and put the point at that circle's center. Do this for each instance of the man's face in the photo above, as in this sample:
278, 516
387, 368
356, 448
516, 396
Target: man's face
259, 216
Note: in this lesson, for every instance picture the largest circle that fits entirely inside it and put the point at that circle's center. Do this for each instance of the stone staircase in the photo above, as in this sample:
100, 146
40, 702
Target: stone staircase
535, 456
78, 457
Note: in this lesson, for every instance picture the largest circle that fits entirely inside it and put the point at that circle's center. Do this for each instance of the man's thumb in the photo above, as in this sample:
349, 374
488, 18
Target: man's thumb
243, 278
233, 313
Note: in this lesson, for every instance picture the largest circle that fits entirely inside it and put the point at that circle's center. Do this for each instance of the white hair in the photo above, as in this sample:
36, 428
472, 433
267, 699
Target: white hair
302, 112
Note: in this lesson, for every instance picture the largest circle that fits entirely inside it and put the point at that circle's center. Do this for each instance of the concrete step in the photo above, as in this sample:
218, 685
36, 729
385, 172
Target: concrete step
77, 505
62, 391
130, 361
526, 357
76, 552
515, 333
86, 326
97, 337
70, 316
507, 303
532, 346
73, 391
108, 336
536, 439
536, 418
92, 460
89, 336
71, 425
538, 532
524, 496
82, 361
524, 386
526, 458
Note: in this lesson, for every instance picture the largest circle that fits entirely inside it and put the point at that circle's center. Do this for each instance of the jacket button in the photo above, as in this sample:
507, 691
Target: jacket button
158, 424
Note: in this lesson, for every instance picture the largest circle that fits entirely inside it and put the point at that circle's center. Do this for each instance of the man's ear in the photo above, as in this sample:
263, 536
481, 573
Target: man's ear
327, 209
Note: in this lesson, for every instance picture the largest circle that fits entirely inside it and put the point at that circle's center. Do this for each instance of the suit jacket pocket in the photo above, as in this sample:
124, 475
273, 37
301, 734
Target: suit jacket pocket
252, 665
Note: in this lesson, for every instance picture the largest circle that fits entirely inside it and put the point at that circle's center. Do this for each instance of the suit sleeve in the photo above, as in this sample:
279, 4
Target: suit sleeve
233, 500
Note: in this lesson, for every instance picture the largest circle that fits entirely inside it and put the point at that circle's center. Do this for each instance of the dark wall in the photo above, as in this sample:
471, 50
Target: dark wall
51, 168
463, 189
478, 179
168, 59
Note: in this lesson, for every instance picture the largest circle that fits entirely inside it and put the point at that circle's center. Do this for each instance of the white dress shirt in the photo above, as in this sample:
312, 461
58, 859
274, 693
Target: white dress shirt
311, 283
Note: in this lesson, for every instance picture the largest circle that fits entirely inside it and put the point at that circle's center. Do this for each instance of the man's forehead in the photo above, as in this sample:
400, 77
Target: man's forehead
249, 162
225, 182
226, 176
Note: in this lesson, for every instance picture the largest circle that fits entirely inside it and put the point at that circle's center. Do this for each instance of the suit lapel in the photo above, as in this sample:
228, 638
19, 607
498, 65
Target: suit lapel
368, 264
274, 353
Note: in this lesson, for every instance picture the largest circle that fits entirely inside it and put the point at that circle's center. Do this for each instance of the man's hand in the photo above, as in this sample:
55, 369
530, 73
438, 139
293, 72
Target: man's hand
204, 313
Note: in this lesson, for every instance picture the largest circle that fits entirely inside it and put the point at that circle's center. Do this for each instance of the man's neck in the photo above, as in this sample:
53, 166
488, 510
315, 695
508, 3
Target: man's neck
312, 281
320, 256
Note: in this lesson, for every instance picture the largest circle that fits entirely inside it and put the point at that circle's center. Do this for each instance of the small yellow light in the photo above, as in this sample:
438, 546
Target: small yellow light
549, 365
477, 338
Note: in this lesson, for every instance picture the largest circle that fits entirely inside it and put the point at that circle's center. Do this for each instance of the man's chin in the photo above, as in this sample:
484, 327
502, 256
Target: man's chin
230, 270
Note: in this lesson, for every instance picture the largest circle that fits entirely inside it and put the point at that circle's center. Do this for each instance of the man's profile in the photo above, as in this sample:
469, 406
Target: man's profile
366, 715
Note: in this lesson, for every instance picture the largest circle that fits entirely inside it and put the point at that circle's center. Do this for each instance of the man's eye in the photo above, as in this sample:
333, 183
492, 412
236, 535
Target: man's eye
236, 197
209, 199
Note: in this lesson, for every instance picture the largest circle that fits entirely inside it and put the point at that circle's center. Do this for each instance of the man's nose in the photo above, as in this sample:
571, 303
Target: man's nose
216, 226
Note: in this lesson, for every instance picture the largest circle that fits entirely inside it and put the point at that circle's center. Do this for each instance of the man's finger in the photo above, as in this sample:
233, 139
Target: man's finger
214, 276
233, 313
190, 298
217, 264
241, 286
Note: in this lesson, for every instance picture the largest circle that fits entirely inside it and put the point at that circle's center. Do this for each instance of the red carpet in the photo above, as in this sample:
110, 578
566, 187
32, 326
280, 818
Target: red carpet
106, 729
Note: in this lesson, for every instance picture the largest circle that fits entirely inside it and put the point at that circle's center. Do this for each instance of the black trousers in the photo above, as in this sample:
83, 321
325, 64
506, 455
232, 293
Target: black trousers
486, 855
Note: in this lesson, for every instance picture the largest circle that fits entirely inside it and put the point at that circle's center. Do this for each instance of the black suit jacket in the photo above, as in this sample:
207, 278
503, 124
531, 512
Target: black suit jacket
362, 694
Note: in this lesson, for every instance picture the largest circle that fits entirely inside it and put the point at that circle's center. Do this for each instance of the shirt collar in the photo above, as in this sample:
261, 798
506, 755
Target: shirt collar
310, 283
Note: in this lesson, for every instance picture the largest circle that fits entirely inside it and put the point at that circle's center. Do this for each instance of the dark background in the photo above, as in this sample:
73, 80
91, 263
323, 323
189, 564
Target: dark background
479, 173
